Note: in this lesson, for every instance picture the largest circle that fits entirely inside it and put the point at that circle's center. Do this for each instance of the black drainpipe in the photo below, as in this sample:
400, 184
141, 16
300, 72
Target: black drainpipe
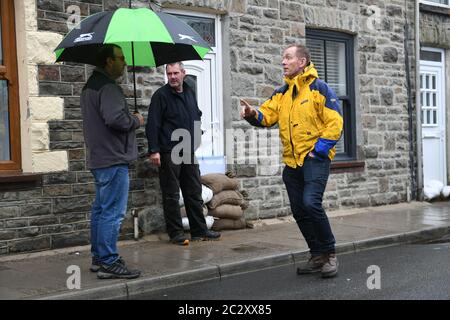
410, 112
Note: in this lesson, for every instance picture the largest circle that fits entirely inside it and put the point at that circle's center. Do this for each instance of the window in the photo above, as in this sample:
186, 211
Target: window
428, 99
441, 3
205, 27
332, 55
10, 159
433, 56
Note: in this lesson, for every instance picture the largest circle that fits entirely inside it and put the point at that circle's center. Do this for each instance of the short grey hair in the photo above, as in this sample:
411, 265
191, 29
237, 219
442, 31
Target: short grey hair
176, 63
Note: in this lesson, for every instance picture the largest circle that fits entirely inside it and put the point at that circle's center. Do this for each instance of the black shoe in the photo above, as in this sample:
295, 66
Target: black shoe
95, 265
208, 235
180, 239
117, 270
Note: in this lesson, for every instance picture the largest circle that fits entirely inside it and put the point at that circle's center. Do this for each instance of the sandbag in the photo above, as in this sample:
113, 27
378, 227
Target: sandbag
209, 222
207, 195
227, 211
226, 197
228, 224
183, 211
219, 182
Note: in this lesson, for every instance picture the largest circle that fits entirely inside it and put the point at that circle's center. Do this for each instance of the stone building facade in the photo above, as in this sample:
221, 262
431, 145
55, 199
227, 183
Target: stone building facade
48, 207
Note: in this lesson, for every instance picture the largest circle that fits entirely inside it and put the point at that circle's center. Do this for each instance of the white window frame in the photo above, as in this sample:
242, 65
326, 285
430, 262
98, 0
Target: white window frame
442, 85
431, 3
435, 63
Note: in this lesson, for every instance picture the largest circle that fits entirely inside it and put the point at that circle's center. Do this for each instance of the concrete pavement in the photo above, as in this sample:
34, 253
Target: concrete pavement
274, 242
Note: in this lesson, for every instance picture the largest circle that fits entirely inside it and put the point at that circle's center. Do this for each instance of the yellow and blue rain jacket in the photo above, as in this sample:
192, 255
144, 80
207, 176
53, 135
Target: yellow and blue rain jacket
308, 114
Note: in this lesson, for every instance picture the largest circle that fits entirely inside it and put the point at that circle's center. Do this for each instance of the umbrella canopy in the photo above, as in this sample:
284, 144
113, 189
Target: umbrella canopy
147, 38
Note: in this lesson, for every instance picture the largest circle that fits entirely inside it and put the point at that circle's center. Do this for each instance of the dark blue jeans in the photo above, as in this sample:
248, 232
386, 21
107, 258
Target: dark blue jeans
305, 187
108, 211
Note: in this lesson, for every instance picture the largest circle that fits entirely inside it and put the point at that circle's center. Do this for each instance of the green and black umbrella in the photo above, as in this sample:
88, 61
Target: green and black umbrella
158, 38
147, 38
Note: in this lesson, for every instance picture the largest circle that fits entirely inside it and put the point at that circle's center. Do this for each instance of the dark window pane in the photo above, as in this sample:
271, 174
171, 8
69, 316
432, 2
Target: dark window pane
340, 145
4, 122
205, 27
331, 53
430, 56
439, 1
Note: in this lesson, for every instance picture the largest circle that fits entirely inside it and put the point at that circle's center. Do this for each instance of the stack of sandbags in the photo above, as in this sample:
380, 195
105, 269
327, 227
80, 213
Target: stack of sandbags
227, 205
207, 195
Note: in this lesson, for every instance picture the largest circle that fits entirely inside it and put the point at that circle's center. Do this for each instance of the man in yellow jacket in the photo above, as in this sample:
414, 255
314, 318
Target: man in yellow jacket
310, 123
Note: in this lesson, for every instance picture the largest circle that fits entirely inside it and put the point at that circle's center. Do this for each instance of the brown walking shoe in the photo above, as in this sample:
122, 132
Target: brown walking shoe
313, 265
330, 267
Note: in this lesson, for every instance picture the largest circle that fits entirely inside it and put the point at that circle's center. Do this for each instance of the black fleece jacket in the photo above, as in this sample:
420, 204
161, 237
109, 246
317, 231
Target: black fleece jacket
168, 112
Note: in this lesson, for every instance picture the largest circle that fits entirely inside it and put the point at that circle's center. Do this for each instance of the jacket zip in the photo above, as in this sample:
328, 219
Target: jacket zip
290, 130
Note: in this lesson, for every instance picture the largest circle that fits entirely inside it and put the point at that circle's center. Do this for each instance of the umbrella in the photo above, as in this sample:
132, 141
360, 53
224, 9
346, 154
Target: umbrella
147, 38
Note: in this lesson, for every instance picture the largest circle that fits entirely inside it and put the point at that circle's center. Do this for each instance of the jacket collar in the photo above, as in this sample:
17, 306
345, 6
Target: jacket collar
103, 72
186, 87
303, 78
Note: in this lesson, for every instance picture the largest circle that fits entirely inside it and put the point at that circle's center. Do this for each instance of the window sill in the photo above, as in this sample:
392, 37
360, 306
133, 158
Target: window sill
347, 166
434, 9
11, 181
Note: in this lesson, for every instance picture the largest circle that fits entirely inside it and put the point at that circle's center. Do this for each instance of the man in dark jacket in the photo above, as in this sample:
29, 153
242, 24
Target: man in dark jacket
109, 132
174, 121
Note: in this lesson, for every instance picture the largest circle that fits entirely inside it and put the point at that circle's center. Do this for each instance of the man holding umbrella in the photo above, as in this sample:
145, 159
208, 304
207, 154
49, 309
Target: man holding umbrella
109, 131
147, 39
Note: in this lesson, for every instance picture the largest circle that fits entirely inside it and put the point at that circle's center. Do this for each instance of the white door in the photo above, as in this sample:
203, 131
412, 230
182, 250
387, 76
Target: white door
205, 78
202, 77
432, 99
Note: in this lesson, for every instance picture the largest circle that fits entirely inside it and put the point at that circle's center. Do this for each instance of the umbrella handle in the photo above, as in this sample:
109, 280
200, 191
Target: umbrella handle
134, 79
134, 72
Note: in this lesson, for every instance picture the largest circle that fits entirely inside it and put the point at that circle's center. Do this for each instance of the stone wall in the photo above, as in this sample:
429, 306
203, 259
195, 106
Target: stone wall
258, 34
57, 215
434, 29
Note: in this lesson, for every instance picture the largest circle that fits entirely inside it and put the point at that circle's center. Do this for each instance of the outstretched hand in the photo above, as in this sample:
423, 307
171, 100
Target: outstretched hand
247, 110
